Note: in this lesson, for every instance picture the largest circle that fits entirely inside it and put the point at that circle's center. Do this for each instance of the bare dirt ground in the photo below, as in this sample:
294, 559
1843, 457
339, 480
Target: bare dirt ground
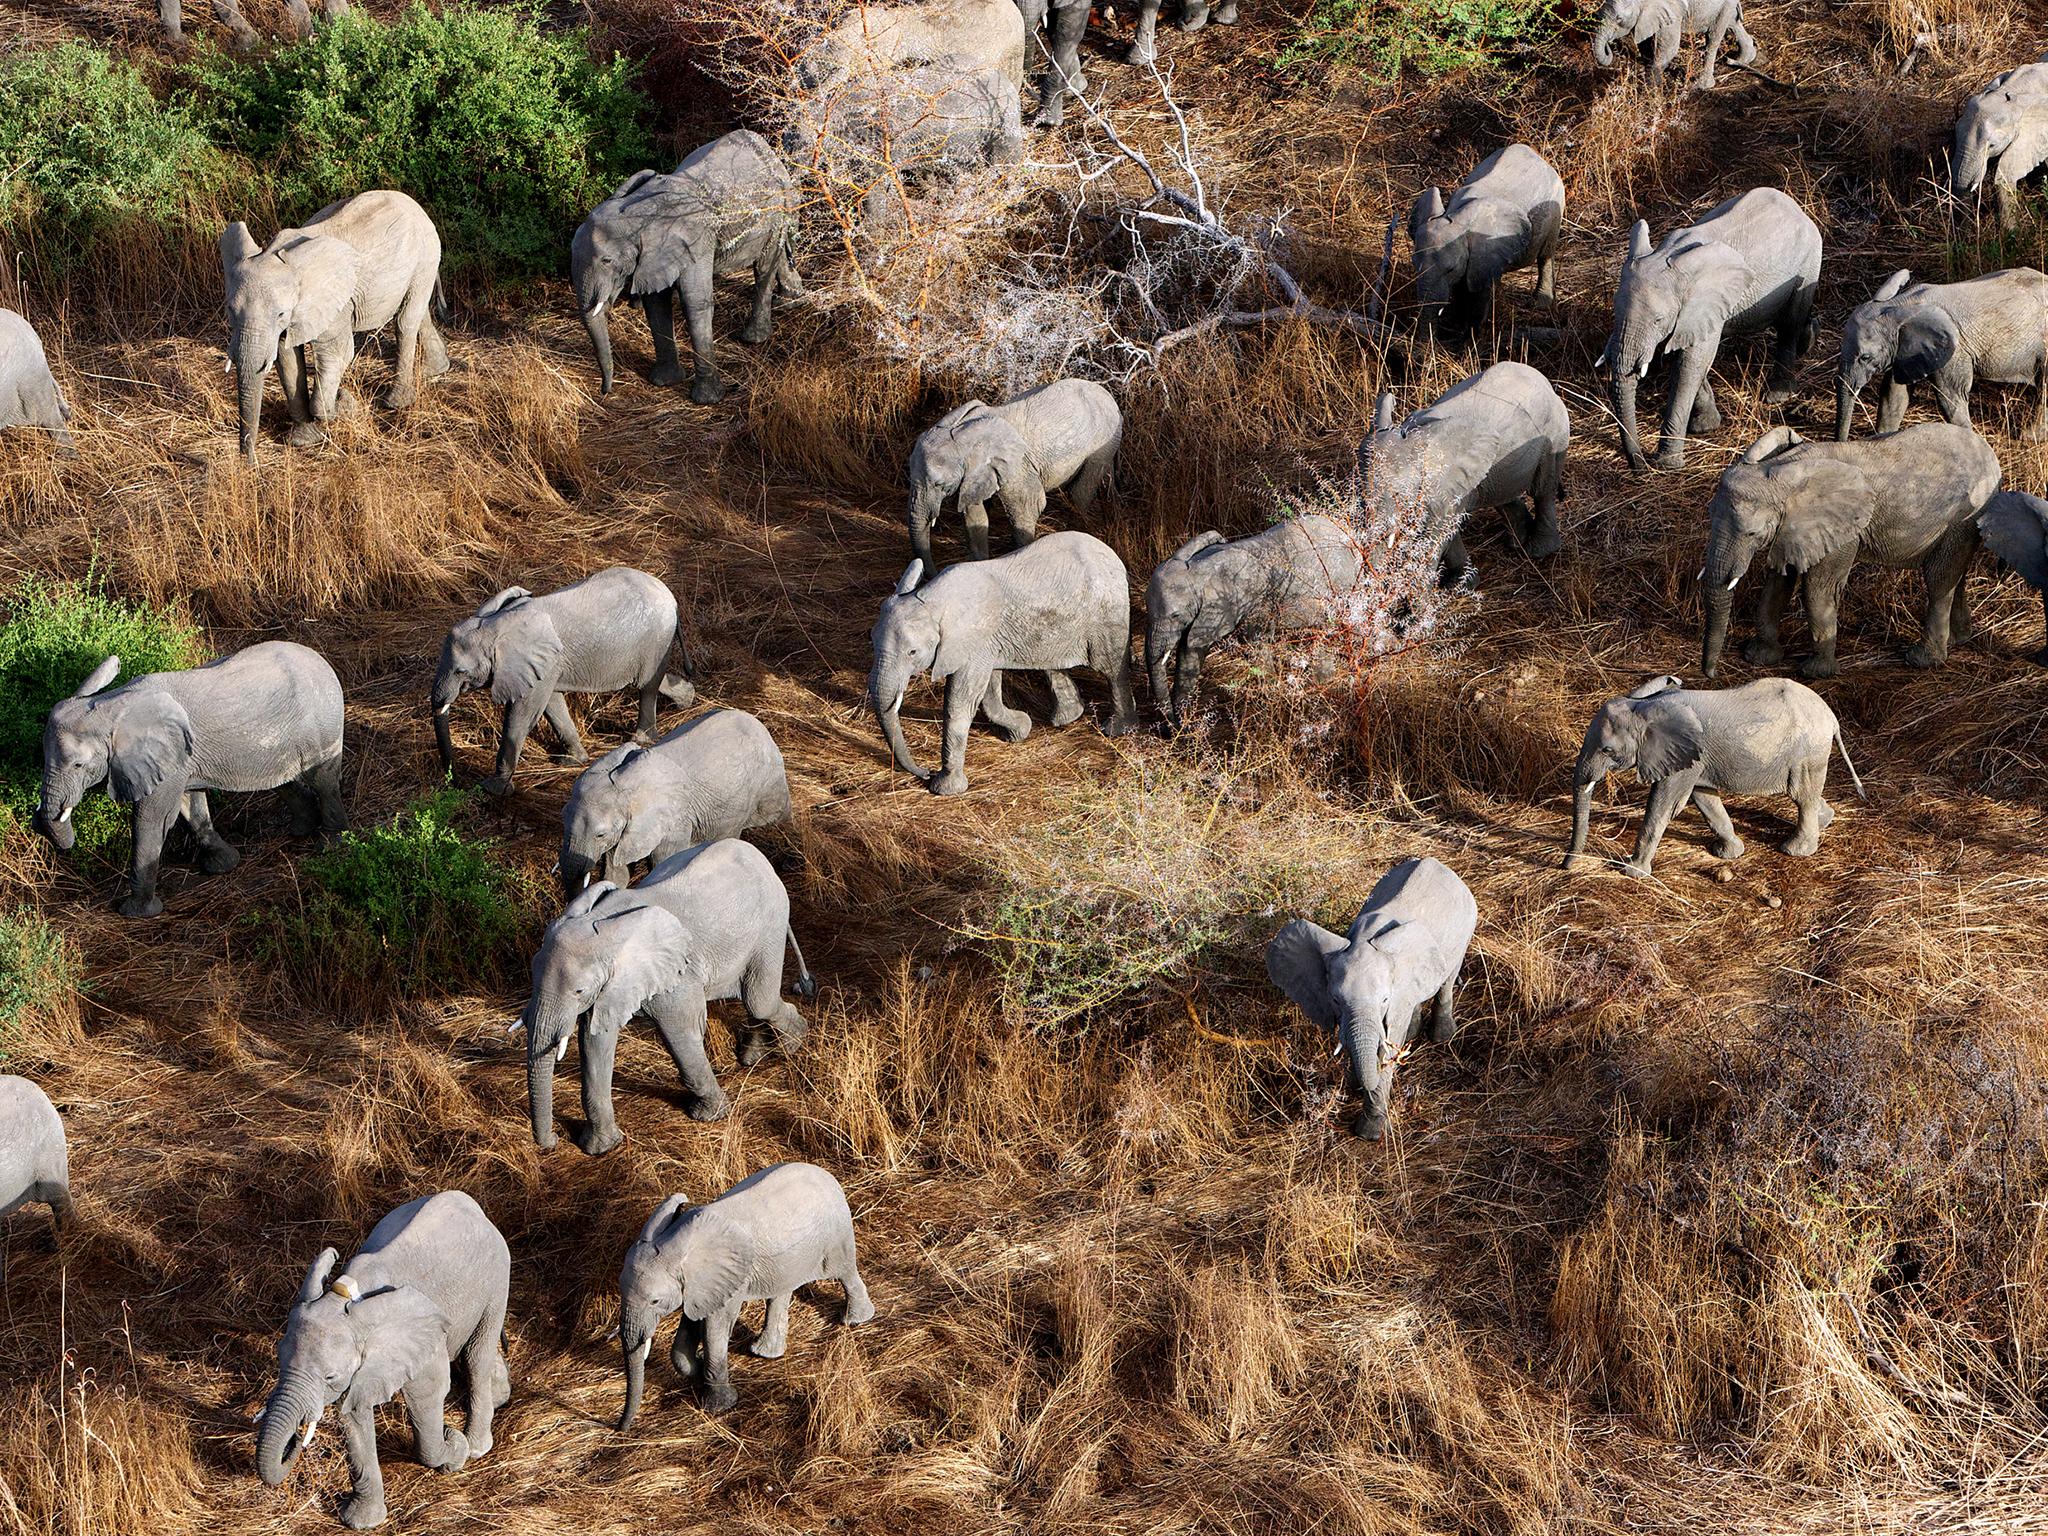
1724, 1210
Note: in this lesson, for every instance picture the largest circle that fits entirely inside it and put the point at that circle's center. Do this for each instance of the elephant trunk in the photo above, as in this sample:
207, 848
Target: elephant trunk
1603, 42
635, 1344
600, 330
1162, 642
295, 1403
926, 499
543, 1044
249, 392
53, 815
1361, 1047
1718, 580
446, 691
1972, 157
1624, 393
577, 868
1845, 407
887, 682
1582, 814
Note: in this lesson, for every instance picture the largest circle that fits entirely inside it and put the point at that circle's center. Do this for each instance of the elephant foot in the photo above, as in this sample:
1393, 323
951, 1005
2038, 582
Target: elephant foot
766, 1348
1827, 817
950, 783
666, 374
859, 1312
1762, 653
218, 859
142, 906
577, 756
1120, 725
497, 784
363, 1511
455, 1452
1544, 546
1922, 657
1818, 666
307, 434
1706, 419
596, 1142
1227, 17
710, 1109
1192, 23
708, 390
1732, 849
1635, 870
1140, 56
1015, 726
752, 1047
754, 335
1066, 714
480, 1445
678, 691
396, 399
1570, 861
1369, 1126
718, 1397
1800, 847
1671, 458
1779, 394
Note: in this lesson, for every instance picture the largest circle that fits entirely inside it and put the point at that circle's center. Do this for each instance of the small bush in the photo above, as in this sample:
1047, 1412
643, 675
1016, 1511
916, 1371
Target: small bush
39, 973
506, 133
51, 635
416, 905
1381, 38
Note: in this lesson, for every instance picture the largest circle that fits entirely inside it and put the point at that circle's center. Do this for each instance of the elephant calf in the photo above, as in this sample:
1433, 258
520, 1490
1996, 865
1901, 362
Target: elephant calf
261, 718
1770, 737
2002, 137
784, 1227
609, 631
706, 925
29, 396
1294, 576
1809, 511
35, 1166
1368, 989
1505, 216
1065, 433
1667, 24
1489, 442
428, 1287
1063, 601
2014, 527
873, 40
714, 778
1993, 327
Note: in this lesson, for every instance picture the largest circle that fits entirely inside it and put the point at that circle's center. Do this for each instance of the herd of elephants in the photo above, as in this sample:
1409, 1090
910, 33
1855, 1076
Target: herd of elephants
709, 918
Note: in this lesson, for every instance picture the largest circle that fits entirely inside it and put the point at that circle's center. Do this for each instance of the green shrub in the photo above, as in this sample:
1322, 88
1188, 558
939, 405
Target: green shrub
51, 635
417, 905
86, 147
507, 134
1381, 38
39, 973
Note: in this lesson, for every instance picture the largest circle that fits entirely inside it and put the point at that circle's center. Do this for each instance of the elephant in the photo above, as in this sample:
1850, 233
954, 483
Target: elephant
730, 207
784, 1227
29, 396
171, 13
1194, 15
428, 1286
261, 718
1667, 24
300, 302
873, 40
1993, 327
35, 1166
2002, 137
713, 778
706, 925
1490, 441
1061, 601
1506, 215
1065, 433
1367, 989
1811, 509
1295, 575
608, 631
1769, 737
1059, 25
2014, 527
1752, 262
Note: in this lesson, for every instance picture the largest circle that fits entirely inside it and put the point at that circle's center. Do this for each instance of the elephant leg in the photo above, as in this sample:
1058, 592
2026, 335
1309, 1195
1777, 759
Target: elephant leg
1666, 796
1952, 395
1709, 805
965, 691
714, 1389
2005, 197
435, 361
680, 1021
1962, 627
489, 1383
1194, 15
329, 361
1688, 371
215, 856
291, 373
323, 784
974, 515
1144, 47
1454, 562
1443, 1026
1794, 336
686, 1351
1112, 658
706, 388
57, 1197
520, 716
1187, 679
774, 1338
365, 1506
299, 16
1543, 537
860, 1307
1891, 405
1773, 592
1066, 699
1666, 52
767, 1012
154, 814
762, 319
171, 14
426, 1404
1013, 723
403, 392
1706, 410
1088, 484
1815, 814
596, 1052
229, 15
563, 724
1715, 37
661, 324
1824, 584
1943, 572
1067, 24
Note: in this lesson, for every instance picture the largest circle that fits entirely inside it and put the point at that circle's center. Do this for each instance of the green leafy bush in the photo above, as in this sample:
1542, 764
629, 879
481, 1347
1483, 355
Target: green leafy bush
506, 133
51, 635
1381, 38
39, 974
86, 146
417, 905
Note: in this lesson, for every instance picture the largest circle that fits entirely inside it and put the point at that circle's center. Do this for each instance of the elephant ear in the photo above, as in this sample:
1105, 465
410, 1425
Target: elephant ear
1673, 741
237, 245
913, 573
1894, 285
587, 898
1207, 539
656, 1228
665, 222
325, 269
98, 678
500, 601
314, 1286
2015, 529
1664, 683
1770, 445
1823, 509
399, 1330
1428, 206
635, 182
1713, 276
2029, 146
1297, 960
1639, 240
716, 1264
1927, 344
1383, 412
152, 739
647, 945
526, 652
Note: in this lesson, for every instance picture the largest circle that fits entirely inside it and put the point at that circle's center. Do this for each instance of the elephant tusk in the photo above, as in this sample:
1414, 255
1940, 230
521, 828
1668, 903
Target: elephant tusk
562, 1048
1644, 371
515, 1026
257, 1416
897, 706
63, 818
227, 365
555, 868
597, 309
1731, 583
586, 880
1702, 575
306, 1434
646, 1349
443, 710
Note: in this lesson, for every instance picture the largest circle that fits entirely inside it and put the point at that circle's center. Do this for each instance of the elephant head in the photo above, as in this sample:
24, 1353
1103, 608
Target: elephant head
909, 640
605, 822
1618, 19
1669, 301
602, 960
693, 1261
1786, 503
1992, 123
631, 245
974, 455
1395, 468
508, 646
1650, 731
1347, 987
1907, 339
1451, 256
345, 1345
134, 738
1177, 596
299, 290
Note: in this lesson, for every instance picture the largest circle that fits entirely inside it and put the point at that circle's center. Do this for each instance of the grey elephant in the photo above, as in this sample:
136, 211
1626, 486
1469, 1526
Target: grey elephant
1368, 989
873, 40
2014, 527
730, 207
2002, 138
1809, 511
1062, 601
300, 302
1194, 15
1062, 434
774, 1231
1753, 262
171, 13
1495, 440
1667, 24
1769, 737
261, 718
609, 631
35, 1165
1058, 26
1993, 327
427, 1288
1506, 215
716, 777
704, 926
1295, 575
29, 396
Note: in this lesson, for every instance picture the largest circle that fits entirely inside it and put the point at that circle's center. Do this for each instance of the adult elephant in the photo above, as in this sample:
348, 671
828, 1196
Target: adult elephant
1993, 327
1808, 511
2002, 138
1059, 25
300, 302
229, 14
874, 41
729, 207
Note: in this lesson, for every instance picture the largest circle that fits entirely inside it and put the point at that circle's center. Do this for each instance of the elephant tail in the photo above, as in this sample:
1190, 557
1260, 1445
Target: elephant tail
440, 301
787, 278
683, 651
806, 984
1842, 747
